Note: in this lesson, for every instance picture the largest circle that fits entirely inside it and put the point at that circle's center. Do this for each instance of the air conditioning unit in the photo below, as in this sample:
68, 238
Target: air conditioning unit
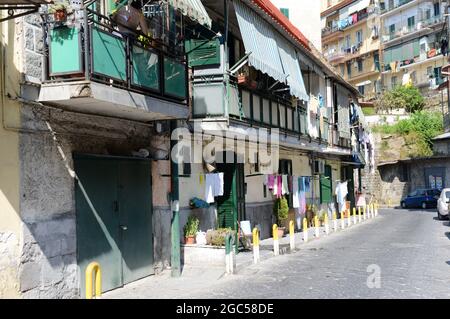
319, 167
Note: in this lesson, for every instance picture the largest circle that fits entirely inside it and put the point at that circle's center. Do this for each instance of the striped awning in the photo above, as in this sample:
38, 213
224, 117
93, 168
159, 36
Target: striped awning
271, 53
292, 69
259, 40
193, 9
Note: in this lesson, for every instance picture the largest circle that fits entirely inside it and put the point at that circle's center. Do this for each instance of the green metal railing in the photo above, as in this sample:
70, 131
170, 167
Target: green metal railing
95, 50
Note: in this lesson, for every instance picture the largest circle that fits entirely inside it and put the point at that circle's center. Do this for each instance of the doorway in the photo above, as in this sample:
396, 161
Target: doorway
114, 218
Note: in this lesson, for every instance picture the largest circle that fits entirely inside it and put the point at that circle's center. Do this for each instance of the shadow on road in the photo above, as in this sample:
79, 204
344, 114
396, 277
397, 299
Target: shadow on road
447, 234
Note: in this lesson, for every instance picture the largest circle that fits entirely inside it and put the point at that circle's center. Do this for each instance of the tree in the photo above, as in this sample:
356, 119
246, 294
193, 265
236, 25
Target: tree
402, 97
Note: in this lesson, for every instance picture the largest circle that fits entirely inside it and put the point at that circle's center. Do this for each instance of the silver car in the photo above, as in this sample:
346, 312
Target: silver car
443, 204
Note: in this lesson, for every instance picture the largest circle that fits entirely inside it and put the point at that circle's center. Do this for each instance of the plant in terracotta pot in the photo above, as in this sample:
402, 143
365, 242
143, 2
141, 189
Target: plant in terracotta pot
60, 10
190, 230
281, 212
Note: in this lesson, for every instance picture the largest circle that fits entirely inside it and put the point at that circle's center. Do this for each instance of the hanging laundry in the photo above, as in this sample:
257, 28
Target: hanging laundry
354, 18
341, 192
284, 185
302, 200
218, 184
275, 185
295, 192
279, 186
307, 184
301, 184
209, 188
290, 185
270, 182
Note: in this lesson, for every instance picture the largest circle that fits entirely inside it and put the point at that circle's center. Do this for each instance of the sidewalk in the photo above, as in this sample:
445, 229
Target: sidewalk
194, 280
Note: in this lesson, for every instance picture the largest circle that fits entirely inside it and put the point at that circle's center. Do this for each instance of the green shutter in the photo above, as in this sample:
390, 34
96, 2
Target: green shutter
285, 12
325, 186
203, 52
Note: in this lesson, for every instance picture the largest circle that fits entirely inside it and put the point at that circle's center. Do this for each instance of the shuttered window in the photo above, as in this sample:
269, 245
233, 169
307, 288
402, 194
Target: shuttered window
203, 52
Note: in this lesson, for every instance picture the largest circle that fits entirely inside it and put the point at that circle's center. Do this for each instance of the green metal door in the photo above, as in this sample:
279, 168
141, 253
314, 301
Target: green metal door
114, 218
97, 220
135, 219
226, 204
326, 194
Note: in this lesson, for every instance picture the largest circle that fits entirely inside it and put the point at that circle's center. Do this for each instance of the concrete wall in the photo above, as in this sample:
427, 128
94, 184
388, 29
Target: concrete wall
10, 223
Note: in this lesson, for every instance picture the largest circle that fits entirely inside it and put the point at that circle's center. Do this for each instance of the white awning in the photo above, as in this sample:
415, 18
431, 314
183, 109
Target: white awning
259, 40
271, 53
363, 83
194, 9
292, 69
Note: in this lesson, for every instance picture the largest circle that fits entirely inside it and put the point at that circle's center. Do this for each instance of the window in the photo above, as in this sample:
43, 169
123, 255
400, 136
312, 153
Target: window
411, 22
392, 29
359, 37
285, 12
376, 61
437, 9
360, 65
393, 81
349, 69
347, 41
361, 89
342, 69
428, 14
391, 4
328, 3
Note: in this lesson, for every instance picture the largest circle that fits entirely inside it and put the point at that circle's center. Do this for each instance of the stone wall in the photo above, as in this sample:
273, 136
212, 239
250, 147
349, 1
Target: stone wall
48, 265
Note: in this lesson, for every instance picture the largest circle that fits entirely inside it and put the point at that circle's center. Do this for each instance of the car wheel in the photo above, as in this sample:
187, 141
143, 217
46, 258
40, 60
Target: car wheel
424, 205
403, 205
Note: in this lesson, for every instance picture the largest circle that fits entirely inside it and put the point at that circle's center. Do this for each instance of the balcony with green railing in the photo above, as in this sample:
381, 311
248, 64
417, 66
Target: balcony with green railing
100, 54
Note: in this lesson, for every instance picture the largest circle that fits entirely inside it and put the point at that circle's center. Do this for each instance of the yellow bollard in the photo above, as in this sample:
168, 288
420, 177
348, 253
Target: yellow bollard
364, 212
292, 235
276, 243
335, 221
354, 215
305, 230
316, 226
255, 245
349, 218
342, 220
327, 226
93, 268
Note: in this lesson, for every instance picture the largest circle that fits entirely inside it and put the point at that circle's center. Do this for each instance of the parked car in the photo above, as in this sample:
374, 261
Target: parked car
423, 198
443, 204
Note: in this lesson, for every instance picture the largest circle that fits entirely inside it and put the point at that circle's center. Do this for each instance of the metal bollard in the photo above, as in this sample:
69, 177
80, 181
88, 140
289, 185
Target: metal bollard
93, 269
229, 259
349, 218
359, 214
335, 226
354, 215
327, 226
292, 235
255, 245
305, 230
276, 243
342, 221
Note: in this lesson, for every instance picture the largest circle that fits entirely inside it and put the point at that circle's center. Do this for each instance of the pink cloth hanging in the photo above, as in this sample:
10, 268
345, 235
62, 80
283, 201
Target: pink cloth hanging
280, 185
270, 181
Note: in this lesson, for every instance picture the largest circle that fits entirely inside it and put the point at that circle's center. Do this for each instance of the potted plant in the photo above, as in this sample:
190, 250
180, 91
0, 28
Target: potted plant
60, 10
281, 211
190, 230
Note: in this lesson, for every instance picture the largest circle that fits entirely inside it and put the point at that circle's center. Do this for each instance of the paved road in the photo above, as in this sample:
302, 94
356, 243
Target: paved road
410, 248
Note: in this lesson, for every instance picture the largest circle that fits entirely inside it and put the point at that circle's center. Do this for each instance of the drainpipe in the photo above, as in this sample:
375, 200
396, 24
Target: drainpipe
175, 207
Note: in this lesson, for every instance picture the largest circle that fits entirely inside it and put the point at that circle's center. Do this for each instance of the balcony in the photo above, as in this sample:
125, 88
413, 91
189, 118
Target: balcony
425, 25
385, 9
95, 68
348, 22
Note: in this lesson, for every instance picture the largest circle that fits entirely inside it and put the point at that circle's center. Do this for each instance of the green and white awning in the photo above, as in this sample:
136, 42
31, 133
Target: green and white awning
194, 9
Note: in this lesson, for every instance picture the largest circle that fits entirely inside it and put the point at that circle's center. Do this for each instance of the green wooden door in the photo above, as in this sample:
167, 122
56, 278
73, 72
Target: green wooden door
135, 219
226, 204
114, 218
97, 220
326, 194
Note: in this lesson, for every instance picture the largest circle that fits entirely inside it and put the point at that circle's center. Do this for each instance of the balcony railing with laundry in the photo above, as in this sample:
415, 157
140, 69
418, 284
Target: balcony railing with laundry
406, 30
344, 53
384, 7
436, 49
340, 25
106, 49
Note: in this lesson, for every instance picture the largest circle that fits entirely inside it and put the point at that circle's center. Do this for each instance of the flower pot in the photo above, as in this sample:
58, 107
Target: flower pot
242, 79
60, 15
281, 231
190, 240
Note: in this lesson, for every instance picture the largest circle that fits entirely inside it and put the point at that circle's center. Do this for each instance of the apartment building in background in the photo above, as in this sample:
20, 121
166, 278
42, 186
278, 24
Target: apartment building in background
351, 43
414, 43
377, 45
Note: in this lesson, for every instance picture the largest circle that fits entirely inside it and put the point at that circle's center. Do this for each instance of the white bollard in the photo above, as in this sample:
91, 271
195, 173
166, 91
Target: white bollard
292, 235
327, 226
376, 210
354, 215
276, 243
316, 227
305, 230
255, 245
342, 221
335, 224
349, 219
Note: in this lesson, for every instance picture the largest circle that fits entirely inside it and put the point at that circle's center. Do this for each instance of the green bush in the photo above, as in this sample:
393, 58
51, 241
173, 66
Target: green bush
281, 209
402, 97
217, 237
